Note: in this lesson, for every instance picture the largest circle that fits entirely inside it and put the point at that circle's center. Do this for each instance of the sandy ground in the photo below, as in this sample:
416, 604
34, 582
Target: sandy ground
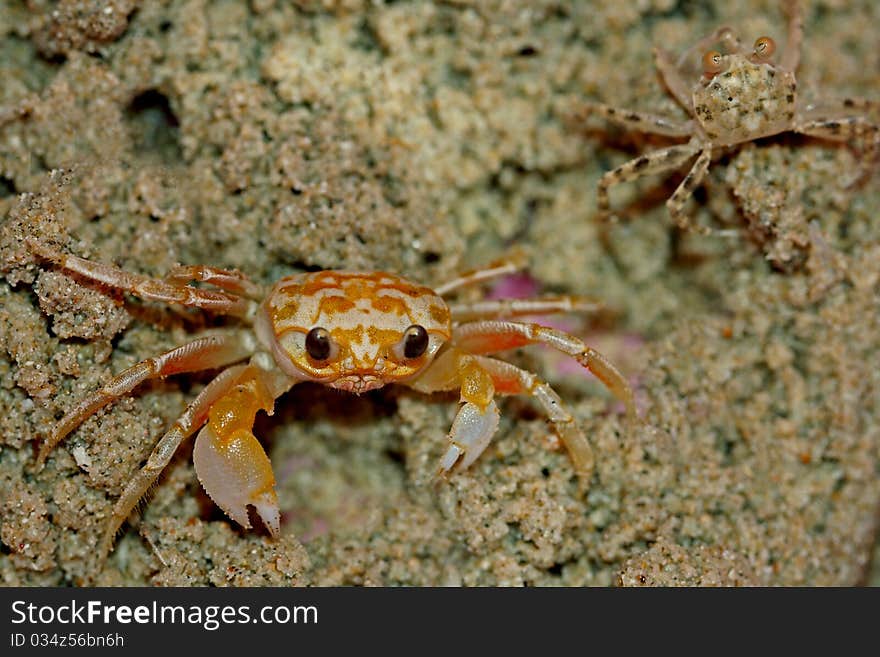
424, 138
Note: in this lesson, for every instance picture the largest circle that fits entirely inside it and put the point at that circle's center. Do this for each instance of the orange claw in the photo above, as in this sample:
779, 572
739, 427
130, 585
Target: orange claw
230, 463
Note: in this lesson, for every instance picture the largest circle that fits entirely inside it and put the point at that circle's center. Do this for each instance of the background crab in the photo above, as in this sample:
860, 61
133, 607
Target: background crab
741, 95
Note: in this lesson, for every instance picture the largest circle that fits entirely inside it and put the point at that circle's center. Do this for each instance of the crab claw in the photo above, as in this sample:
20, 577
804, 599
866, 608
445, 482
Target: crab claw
236, 472
471, 432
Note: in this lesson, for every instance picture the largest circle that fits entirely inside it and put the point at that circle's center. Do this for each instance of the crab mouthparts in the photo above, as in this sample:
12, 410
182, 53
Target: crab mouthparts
358, 383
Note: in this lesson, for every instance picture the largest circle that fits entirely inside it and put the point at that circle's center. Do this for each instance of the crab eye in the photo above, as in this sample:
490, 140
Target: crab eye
713, 62
318, 343
415, 341
764, 48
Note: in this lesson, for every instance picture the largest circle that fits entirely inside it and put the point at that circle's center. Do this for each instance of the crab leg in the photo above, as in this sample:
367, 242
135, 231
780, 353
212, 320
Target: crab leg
230, 463
511, 380
665, 159
672, 78
193, 417
226, 279
649, 123
686, 188
856, 128
514, 263
864, 135
492, 336
495, 308
145, 287
202, 354
836, 106
792, 55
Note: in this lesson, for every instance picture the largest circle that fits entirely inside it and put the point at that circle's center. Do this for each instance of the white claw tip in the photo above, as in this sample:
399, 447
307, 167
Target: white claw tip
270, 515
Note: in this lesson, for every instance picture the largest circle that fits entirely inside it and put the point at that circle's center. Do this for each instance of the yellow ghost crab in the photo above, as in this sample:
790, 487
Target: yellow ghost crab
741, 95
353, 331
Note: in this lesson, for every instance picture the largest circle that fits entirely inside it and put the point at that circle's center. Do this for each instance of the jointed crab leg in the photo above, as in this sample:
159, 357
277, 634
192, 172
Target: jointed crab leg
514, 263
496, 308
665, 159
792, 55
833, 120
226, 279
864, 136
856, 128
671, 75
837, 107
511, 380
642, 121
480, 378
145, 287
193, 417
492, 336
675, 203
202, 354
